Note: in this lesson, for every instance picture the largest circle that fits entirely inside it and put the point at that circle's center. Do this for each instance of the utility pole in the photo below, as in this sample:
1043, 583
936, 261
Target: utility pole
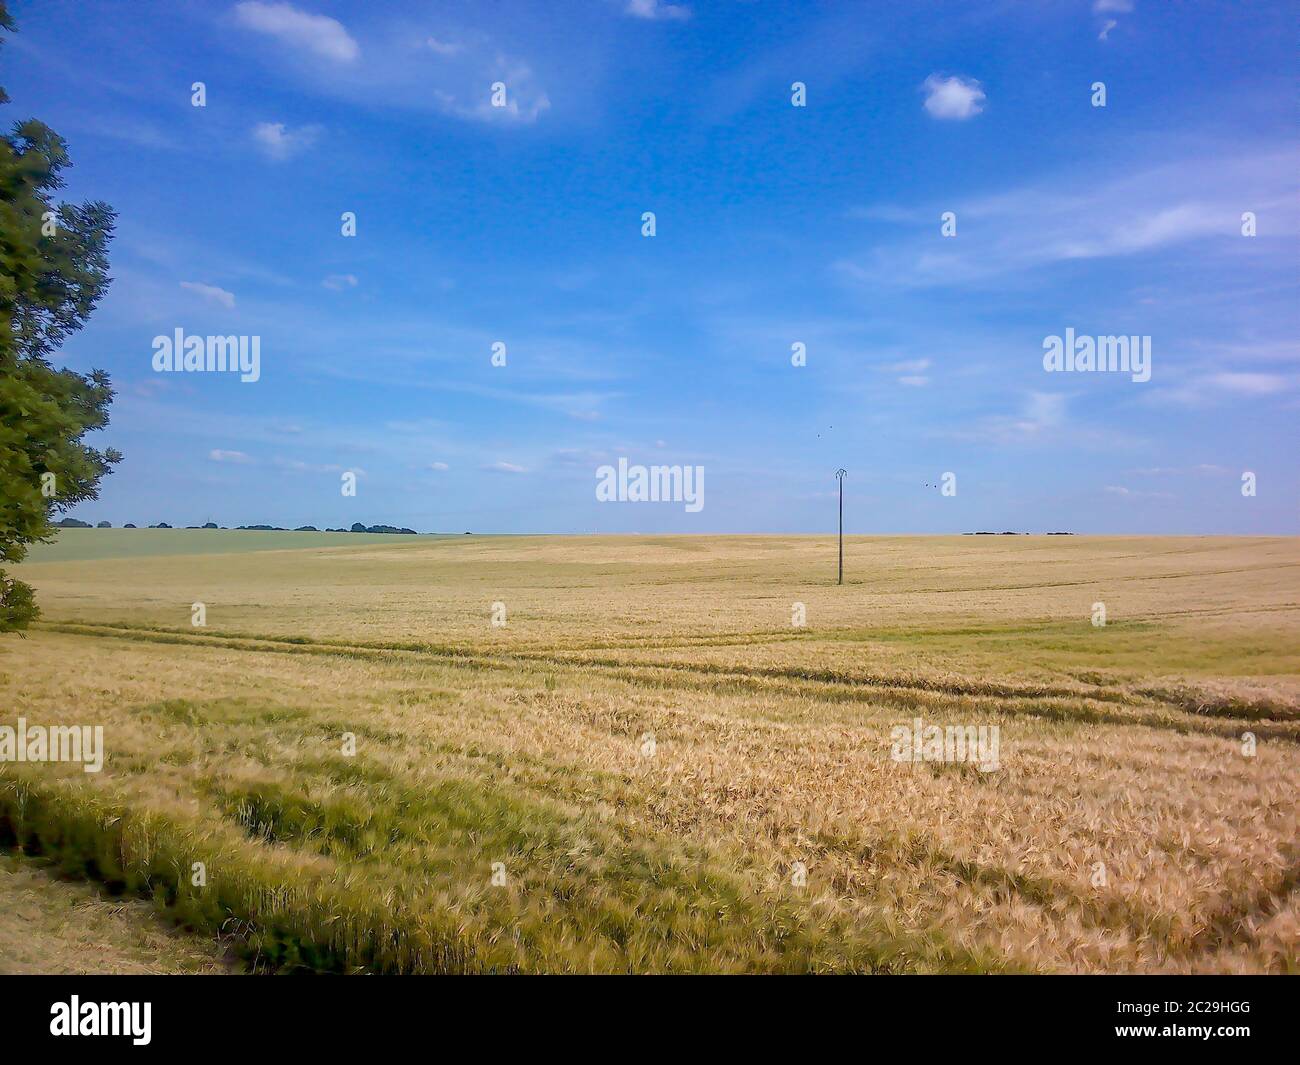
839, 476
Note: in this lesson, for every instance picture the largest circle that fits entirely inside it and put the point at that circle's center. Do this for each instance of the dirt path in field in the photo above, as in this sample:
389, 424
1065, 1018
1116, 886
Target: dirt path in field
54, 926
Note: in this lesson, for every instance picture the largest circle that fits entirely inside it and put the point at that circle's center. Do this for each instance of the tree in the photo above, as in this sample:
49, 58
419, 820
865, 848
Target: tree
53, 271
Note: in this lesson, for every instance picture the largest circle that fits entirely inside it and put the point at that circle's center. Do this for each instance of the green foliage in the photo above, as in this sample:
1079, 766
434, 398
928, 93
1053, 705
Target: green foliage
51, 278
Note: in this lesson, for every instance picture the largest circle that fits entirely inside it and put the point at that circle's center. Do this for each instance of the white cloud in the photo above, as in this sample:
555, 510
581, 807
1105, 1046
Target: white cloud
656, 9
468, 91
314, 33
439, 466
298, 466
1212, 389
1260, 350
211, 292
955, 98
505, 467
338, 282
449, 72
1045, 409
1129, 493
912, 370
885, 212
1175, 471
579, 457
1042, 417
912, 366
237, 457
1108, 7
1160, 227
1248, 384
279, 142
517, 81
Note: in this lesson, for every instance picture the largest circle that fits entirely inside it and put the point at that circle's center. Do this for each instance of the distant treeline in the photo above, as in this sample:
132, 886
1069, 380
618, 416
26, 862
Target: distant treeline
357, 527
1016, 534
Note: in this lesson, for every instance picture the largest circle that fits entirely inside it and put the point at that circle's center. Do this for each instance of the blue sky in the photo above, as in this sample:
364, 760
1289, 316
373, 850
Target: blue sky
775, 224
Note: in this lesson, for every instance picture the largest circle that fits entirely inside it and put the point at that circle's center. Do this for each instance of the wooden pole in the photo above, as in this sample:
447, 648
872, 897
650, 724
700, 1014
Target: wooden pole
839, 476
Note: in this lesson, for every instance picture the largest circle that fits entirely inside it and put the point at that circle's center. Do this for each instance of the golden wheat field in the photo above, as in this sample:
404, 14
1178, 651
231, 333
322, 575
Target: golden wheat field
650, 766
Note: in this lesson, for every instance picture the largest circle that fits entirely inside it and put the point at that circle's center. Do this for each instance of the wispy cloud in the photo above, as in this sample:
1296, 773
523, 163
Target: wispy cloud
657, 9
298, 466
1250, 384
141, 133
1171, 471
443, 47
886, 212
446, 71
1110, 7
279, 143
1133, 493
524, 102
237, 457
912, 372
1214, 388
1045, 409
318, 34
907, 366
210, 292
1042, 417
504, 467
338, 282
1064, 219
